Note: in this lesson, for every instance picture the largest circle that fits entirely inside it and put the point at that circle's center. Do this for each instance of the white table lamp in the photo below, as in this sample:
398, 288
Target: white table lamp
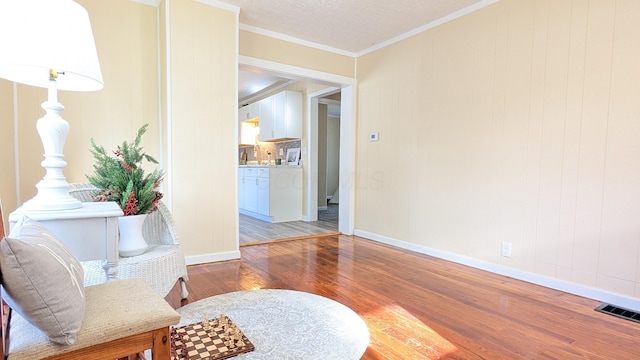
49, 44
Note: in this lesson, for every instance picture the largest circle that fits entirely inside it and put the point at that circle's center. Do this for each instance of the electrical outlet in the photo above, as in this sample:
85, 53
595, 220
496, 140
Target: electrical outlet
506, 249
281, 151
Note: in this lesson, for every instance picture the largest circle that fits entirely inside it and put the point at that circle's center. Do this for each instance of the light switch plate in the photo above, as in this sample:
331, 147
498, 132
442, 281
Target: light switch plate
506, 249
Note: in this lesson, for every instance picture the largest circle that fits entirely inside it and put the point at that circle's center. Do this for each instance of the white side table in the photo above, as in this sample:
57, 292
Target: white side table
90, 232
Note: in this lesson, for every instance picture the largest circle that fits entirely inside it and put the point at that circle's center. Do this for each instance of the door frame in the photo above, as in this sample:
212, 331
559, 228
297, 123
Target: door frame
310, 156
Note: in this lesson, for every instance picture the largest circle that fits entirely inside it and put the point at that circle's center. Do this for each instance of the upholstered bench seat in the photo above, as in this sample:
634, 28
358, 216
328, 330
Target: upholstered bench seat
108, 316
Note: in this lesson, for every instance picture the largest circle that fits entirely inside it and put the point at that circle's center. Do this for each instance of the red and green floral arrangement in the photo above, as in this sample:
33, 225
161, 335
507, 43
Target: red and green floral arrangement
121, 178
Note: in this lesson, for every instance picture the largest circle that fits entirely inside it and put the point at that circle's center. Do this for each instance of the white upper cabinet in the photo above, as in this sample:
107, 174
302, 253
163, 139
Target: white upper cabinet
281, 116
249, 112
248, 133
247, 122
266, 119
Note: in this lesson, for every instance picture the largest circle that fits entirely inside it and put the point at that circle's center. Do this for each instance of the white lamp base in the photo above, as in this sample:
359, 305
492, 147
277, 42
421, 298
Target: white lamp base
52, 197
53, 189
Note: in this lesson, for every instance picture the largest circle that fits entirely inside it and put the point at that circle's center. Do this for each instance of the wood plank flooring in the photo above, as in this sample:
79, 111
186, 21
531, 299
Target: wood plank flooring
420, 307
254, 231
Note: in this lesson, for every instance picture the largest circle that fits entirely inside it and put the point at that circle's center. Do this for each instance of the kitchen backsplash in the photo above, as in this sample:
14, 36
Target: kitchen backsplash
261, 149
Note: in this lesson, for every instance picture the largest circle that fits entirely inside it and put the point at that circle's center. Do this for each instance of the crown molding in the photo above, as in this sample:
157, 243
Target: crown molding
154, 3
295, 40
214, 3
220, 5
431, 25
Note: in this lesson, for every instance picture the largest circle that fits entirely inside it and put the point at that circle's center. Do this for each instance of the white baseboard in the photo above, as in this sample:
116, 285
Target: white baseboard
212, 257
256, 215
553, 283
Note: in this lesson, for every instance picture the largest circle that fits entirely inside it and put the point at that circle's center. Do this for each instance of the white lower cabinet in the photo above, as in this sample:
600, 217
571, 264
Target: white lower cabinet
263, 194
241, 188
248, 189
272, 194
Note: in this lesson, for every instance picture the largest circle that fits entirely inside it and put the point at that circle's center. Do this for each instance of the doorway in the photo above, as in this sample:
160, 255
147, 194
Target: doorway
343, 87
329, 157
326, 150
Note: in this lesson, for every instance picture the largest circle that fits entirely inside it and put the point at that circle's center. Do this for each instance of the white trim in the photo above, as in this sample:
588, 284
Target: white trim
296, 71
220, 5
261, 94
212, 257
431, 25
169, 150
214, 3
347, 135
295, 40
16, 142
237, 135
256, 215
311, 156
154, 3
549, 282
163, 151
347, 204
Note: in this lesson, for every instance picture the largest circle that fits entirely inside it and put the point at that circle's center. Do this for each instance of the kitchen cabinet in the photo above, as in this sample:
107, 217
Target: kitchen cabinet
266, 121
241, 188
249, 112
270, 193
248, 132
263, 191
281, 116
247, 122
249, 189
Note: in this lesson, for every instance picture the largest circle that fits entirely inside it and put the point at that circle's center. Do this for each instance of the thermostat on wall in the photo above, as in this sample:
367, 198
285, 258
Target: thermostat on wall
373, 136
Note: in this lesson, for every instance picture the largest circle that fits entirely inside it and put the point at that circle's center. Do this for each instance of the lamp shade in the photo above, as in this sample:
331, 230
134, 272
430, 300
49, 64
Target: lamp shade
37, 36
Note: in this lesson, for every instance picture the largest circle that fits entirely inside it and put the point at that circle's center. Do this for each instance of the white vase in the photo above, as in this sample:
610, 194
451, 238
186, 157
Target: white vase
131, 242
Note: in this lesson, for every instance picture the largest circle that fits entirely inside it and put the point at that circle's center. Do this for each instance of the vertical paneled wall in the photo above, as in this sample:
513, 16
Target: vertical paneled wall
517, 123
126, 39
7, 159
203, 124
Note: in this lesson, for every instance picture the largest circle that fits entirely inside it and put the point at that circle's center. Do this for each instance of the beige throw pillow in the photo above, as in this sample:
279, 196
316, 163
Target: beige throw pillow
43, 281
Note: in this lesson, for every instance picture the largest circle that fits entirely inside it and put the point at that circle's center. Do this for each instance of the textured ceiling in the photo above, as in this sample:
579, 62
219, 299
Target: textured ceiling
347, 25
351, 27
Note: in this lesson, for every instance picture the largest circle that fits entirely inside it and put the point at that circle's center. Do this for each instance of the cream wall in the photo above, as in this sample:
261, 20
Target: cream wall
198, 131
125, 33
7, 162
203, 128
517, 123
284, 52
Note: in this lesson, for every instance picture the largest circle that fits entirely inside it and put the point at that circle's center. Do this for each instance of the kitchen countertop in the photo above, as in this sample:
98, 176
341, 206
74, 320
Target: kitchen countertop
270, 166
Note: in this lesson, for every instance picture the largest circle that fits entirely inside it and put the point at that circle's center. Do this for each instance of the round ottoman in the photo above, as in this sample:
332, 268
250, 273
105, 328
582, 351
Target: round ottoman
286, 324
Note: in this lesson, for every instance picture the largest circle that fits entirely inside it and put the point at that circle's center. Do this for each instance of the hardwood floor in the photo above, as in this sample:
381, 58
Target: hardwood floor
254, 231
420, 307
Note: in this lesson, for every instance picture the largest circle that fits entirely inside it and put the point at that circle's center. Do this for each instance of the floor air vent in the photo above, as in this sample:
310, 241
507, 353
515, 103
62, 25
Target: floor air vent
619, 312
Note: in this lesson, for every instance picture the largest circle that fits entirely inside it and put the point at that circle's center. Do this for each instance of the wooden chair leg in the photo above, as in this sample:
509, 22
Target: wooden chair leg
161, 349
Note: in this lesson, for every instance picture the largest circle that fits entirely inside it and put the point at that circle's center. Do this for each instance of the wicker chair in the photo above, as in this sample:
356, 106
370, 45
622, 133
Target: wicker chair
113, 327
160, 266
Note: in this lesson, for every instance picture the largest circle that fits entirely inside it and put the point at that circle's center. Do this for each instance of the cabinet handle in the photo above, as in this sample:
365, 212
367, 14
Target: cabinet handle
256, 181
